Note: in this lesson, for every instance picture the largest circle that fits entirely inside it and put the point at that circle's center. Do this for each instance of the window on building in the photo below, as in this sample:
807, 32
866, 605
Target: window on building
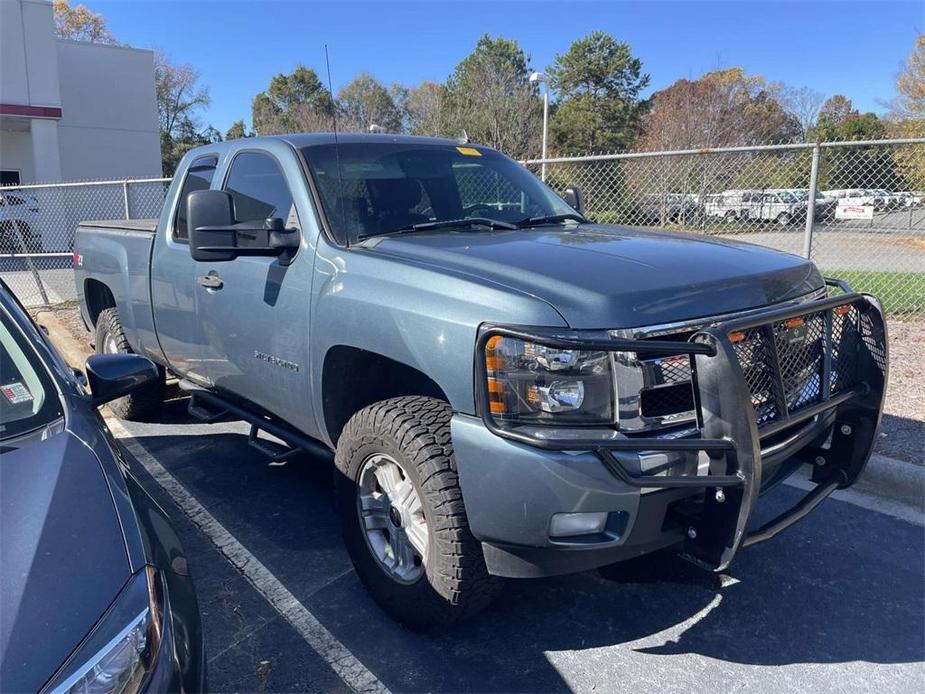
259, 190
198, 177
9, 177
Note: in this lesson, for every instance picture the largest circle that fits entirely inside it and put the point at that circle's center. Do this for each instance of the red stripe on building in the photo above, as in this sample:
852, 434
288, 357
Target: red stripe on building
31, 111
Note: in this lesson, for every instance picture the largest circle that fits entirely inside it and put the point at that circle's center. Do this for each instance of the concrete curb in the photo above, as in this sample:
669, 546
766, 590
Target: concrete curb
900, 482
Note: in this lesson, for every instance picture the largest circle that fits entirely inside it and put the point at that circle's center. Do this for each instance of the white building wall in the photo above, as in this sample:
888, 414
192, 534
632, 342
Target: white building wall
108, 127
16, 152
104, 96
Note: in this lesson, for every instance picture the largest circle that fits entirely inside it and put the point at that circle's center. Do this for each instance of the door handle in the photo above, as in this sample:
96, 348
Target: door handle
210, 281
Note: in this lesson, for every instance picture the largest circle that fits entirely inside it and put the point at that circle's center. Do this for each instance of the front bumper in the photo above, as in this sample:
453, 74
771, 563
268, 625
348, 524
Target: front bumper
513, 480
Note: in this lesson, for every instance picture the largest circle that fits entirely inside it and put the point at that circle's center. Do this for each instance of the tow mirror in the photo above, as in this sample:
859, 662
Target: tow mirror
210, 219
216, 237
575, 199
110, 376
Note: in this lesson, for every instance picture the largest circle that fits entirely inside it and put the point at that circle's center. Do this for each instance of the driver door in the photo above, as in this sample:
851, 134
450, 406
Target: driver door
254, 310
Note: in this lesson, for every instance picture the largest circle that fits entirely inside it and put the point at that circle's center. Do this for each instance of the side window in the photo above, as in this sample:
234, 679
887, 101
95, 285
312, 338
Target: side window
259, 190
198, 177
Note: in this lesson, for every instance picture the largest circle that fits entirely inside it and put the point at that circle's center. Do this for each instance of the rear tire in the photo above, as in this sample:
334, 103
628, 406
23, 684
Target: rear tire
144, 403
408, 438
784, 219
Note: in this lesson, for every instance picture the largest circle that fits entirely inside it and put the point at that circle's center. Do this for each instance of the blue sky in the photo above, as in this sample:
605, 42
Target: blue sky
854, 48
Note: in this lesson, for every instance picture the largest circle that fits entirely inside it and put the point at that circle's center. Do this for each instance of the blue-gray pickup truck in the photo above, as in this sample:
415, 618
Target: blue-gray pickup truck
509, 389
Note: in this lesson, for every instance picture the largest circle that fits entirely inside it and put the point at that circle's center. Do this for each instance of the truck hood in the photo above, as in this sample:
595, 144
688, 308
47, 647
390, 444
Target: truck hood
62, 557
611, 277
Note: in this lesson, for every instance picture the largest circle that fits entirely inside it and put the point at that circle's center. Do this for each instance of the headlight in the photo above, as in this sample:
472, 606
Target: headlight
122, 648
534, 383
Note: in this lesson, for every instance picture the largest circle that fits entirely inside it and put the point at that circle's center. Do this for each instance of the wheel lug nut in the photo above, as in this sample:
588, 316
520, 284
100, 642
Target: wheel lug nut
845, 429
692, 532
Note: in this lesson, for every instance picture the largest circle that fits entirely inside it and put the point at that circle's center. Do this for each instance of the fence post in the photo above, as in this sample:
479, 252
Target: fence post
125, 198
811, 204
30, 263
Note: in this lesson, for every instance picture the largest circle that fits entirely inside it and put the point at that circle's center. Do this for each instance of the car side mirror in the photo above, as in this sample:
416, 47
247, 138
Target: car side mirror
575, 199
110, 376
210, 219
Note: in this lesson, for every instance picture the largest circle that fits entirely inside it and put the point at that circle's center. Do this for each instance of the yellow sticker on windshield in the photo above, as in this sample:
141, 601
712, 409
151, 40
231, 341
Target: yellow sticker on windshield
469, 151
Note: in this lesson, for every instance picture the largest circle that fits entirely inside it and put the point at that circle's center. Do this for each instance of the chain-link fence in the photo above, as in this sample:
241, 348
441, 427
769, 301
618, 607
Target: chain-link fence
856, 208
37, 224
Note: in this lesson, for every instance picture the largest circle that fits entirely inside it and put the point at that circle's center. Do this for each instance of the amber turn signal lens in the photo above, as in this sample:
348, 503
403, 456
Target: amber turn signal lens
794, 322
842, 310
737, 336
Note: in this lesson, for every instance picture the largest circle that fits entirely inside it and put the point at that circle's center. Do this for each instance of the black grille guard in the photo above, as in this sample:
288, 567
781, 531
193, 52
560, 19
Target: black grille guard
727, 422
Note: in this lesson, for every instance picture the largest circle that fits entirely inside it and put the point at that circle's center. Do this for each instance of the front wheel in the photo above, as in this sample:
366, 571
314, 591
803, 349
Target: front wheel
784, 219
403, 517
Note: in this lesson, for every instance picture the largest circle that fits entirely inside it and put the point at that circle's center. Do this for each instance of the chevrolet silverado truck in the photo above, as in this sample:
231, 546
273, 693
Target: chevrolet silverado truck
509, 389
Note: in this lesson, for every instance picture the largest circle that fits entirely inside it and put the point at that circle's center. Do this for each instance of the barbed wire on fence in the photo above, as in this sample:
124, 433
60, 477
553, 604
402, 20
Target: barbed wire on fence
855, 208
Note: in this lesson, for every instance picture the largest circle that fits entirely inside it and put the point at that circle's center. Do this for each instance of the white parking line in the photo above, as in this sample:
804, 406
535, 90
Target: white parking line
353, 673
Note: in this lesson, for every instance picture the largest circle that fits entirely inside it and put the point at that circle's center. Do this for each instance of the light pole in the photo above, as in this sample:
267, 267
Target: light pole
543, 79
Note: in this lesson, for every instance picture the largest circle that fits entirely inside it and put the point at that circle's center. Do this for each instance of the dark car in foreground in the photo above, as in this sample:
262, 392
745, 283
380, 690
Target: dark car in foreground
95, 595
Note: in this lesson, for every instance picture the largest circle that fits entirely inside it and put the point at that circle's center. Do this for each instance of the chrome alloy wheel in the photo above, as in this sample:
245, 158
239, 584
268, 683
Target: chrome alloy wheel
392, 518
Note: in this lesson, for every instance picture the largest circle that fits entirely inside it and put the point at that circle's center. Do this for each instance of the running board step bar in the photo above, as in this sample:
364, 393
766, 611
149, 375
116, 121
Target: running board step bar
207, 407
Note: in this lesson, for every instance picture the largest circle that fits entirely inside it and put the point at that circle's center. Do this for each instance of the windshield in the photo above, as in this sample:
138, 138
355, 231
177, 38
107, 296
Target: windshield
377, 188
27, 398
787, 197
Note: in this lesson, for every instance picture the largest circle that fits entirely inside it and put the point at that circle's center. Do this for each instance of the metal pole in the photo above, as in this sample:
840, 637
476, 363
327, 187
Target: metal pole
30, 263
811, 204
125, 198
545, 128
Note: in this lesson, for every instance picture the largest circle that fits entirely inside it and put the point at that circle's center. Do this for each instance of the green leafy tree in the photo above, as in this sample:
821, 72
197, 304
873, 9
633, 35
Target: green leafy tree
489, 95
861, 167
236, 131
297, 102
365, 102
598, 81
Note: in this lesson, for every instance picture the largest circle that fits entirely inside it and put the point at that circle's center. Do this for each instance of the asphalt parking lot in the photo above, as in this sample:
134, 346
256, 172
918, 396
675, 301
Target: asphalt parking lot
834, 604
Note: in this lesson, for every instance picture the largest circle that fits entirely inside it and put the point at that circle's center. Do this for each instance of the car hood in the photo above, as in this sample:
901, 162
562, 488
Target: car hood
610, 277
62, 556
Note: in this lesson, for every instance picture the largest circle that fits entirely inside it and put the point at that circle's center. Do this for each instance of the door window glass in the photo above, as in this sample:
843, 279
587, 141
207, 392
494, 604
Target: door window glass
259, 190
198, 177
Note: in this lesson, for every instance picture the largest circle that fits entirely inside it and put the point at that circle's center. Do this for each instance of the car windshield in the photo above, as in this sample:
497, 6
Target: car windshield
787, 197
369, 189
27, 398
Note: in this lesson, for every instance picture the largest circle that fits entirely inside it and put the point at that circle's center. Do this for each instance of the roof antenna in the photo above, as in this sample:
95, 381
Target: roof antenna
463, 138
340, 178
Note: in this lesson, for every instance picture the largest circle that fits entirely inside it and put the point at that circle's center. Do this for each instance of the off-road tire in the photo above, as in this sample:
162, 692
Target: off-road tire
415, 432
144, 403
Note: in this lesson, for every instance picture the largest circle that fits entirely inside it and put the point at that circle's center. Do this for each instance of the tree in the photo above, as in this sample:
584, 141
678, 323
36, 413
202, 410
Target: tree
365, 102
719, 109
489, 95
909, 103
80, 24
804, 104
907, 115
179, 99
426, 109
598, 82
835, 110
236, 131
297, 102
